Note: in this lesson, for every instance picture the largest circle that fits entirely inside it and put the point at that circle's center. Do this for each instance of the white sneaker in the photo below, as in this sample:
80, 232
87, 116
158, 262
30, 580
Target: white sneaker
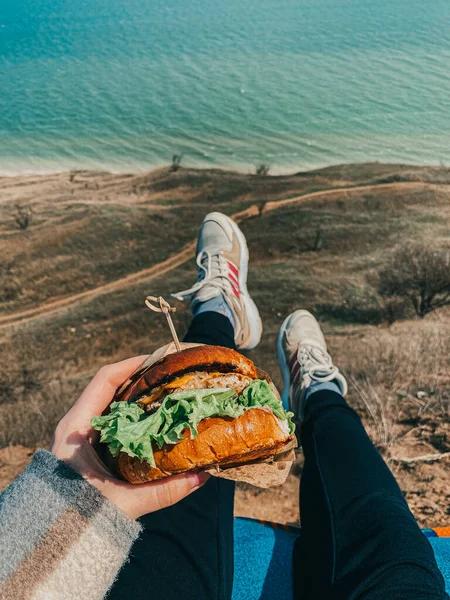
303, 356
222, 259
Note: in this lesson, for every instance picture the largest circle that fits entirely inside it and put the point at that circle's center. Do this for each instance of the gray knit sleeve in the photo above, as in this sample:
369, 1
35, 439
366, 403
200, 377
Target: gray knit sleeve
59, 537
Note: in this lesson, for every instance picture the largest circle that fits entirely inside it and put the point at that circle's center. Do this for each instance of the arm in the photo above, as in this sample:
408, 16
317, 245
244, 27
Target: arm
59, 537
66, 524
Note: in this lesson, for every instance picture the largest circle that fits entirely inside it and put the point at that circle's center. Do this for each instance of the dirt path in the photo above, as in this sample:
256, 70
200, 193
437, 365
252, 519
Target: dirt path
144, 275
398, 186
26, 316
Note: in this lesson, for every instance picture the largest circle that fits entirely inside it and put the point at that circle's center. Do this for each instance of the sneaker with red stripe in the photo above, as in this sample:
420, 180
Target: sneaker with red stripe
222, 260
304, 360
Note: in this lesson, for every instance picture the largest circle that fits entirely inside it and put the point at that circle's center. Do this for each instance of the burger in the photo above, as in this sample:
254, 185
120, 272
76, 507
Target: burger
202, 407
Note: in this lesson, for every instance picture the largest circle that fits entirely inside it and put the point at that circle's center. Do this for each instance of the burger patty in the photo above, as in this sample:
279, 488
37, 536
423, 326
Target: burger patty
197, 380
212, 359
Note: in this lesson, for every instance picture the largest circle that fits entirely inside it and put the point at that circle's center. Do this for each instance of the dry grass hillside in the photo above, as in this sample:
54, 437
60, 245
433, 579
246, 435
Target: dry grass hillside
74, 280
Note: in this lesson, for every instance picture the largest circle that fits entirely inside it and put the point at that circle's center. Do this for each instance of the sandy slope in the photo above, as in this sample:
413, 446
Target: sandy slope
74, 283
186, 253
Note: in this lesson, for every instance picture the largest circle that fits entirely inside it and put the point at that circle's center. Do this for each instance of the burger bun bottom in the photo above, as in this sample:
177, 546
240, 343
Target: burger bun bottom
255, 436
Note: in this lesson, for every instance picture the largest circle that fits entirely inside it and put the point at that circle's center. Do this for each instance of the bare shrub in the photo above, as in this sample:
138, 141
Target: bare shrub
11, 287
419, 274
318, 239
395, 309
263, 170
21, 379
6, 385
261, 207
400, 374
354, 304
31, 420
176, 162
23, 217
380, 409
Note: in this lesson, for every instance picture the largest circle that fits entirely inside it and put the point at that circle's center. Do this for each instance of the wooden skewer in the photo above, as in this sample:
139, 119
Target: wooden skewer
166, 309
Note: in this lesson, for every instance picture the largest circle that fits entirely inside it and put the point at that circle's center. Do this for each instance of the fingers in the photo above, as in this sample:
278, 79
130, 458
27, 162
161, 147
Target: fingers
100, 391
138, 500
162, 494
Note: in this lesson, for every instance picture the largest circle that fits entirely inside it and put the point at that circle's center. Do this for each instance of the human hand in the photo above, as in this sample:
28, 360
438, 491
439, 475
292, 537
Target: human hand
73, 443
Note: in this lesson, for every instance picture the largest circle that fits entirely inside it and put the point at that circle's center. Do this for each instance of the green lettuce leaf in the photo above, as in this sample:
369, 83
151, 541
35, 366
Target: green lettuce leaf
128, 428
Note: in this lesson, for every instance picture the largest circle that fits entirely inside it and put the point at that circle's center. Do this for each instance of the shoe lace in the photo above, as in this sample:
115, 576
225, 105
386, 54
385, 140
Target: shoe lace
316, 363
213, 273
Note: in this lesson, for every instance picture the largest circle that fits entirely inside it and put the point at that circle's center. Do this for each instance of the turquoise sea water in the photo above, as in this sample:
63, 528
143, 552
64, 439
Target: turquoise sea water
124, 84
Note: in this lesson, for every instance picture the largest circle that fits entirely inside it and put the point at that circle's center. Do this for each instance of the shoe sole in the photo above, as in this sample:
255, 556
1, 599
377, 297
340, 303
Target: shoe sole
281, 355
251, 309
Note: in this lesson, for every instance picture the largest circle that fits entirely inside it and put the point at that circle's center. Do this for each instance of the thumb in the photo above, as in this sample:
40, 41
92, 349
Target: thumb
150, 497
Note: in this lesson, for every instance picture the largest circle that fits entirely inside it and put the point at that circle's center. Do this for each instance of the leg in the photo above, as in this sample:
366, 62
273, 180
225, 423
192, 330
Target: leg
187, 549
359, 538
362, 540
211, 328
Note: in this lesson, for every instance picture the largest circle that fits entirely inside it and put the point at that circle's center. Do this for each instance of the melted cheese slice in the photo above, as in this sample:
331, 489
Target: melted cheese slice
158, 392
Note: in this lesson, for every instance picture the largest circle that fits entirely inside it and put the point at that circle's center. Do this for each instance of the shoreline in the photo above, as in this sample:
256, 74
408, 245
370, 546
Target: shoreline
97, 169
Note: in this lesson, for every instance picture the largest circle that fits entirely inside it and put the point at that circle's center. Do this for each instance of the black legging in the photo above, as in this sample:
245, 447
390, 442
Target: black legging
359, 539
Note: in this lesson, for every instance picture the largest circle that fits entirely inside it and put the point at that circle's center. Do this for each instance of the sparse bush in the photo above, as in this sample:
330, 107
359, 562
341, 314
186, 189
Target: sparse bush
6, 385
318, 239
32, 421
395, 309
261, 207
362, 304
23, 216
176, 162
10, 288
263, 170
418, 274
354, 304
393, 365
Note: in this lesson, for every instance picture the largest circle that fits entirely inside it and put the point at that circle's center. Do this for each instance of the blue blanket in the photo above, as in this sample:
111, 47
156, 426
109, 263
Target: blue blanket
263, 559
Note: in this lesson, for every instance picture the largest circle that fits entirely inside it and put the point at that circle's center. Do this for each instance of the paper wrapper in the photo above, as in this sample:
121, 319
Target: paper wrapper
266, 474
